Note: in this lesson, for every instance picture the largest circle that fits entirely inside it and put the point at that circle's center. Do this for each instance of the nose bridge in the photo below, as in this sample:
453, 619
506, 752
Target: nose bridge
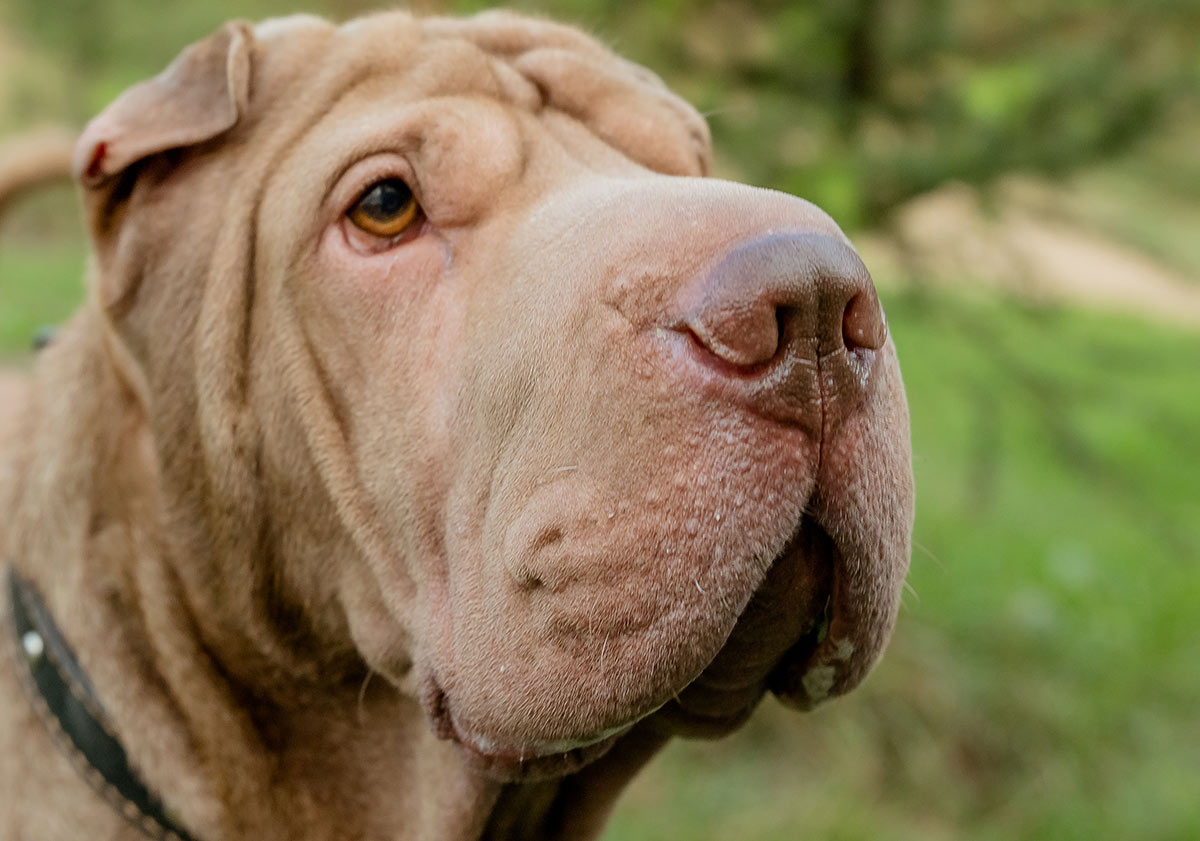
766, 286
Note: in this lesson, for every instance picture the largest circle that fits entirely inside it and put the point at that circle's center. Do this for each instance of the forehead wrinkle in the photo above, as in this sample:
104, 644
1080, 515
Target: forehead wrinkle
353, 94
368, 99
461, 150
452, 67
504, 33
494, 43
517, 88
367, 75
423, 64
365, 122
408, 59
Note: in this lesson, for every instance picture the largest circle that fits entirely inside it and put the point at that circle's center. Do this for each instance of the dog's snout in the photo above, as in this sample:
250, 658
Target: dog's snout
775, 310
768, 296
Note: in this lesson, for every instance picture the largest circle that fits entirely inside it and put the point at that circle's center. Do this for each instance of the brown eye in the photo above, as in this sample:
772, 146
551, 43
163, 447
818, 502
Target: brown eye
386, 209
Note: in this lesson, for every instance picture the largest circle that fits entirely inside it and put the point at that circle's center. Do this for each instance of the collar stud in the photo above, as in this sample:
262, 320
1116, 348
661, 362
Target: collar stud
33, 645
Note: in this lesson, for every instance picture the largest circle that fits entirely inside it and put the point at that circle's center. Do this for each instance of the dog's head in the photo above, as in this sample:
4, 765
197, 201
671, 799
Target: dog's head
456, 366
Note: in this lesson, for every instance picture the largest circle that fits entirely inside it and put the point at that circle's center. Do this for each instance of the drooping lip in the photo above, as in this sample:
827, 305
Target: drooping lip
532, 761
715, 701
780, 628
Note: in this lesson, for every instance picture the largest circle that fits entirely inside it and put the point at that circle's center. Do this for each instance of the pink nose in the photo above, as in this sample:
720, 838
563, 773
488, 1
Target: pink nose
793, 319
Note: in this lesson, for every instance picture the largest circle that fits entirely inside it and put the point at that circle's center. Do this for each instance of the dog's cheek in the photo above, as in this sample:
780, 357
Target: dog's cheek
374, 312
388, 331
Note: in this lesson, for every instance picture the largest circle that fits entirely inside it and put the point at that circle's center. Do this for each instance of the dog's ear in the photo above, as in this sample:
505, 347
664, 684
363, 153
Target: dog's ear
198, 97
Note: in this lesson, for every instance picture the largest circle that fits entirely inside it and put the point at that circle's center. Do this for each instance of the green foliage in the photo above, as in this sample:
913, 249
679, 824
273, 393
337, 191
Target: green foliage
861, 105
856, 104
37, 289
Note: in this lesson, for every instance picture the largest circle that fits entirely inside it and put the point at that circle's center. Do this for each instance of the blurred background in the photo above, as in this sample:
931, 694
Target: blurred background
1023, 179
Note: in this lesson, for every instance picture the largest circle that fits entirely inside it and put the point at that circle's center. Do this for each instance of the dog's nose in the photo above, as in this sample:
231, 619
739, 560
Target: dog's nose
784, 290
780, 308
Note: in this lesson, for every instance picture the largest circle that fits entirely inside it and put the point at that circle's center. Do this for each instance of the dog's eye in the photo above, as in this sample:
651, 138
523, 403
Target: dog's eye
386, 209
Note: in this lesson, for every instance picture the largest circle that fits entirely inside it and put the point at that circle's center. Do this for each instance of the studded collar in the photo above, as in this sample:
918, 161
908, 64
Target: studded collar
67, 705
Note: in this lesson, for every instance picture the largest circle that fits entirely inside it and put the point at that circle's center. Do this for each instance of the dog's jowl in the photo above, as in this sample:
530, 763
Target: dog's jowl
436, 442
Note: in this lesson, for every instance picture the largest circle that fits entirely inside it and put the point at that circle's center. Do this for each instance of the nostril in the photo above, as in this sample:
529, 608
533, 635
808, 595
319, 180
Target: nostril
742, 335
783, 315
863, 325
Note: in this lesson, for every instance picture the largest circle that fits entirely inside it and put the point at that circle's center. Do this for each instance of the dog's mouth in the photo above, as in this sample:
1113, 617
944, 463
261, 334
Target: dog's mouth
777, 632
534, 761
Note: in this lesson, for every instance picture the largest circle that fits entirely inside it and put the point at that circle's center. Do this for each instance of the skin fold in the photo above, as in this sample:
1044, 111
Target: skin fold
440, 535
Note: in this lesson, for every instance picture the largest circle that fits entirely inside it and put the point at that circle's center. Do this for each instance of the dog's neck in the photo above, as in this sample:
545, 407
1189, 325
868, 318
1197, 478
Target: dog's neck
351, 757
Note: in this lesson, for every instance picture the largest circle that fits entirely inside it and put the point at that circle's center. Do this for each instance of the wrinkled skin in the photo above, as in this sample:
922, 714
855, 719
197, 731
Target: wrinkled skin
599, 453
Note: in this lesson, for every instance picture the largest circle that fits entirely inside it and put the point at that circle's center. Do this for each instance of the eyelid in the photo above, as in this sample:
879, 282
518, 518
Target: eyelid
354, 181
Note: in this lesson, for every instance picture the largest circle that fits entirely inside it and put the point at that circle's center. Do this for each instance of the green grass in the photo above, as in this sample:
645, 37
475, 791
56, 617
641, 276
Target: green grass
36, 288
42, 256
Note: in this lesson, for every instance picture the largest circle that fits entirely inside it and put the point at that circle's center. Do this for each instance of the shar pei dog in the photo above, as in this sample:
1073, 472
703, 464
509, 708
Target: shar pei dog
435, 443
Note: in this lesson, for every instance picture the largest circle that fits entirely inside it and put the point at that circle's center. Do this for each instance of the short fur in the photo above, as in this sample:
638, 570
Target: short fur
445, 541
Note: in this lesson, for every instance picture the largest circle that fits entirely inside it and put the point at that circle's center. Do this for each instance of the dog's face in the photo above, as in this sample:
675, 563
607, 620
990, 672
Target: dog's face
545, 427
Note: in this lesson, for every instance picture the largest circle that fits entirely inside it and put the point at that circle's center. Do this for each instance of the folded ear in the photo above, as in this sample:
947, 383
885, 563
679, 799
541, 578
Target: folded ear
199, 96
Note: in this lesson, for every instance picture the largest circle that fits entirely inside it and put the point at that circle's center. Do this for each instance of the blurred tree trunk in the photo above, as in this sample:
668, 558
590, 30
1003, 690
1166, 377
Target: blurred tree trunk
860, 61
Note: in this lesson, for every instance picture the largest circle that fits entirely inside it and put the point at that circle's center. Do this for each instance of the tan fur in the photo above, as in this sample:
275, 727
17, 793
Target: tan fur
31, 160
442, 542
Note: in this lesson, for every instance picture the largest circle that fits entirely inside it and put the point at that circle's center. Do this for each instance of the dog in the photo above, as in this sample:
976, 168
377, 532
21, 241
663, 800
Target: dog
435, 443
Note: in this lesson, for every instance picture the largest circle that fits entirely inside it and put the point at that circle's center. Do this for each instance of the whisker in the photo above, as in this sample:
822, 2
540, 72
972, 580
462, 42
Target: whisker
927, 552
362, 695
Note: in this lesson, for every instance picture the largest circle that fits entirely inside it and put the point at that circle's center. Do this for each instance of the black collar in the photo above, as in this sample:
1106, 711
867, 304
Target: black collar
66, 703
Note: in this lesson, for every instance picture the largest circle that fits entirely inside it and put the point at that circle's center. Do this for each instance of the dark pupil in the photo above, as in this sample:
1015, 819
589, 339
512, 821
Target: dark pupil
387, 199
